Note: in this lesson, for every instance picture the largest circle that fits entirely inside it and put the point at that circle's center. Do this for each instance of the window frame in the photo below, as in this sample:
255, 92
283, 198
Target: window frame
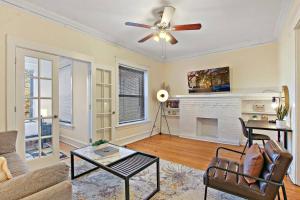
146, 88
63, 123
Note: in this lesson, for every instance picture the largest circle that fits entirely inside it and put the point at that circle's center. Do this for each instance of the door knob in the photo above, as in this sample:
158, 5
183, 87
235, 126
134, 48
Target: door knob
113, 112
55, 116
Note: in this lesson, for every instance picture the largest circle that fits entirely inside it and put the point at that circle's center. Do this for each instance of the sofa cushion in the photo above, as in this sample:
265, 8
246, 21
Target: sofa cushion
33, 182
60, 191
253, 163
15, 164
8, 142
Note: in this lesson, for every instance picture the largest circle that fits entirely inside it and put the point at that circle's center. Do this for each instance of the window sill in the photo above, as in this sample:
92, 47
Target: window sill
133, 123
68, 126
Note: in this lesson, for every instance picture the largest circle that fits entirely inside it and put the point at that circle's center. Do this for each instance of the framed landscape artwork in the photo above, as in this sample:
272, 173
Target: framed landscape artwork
209, 80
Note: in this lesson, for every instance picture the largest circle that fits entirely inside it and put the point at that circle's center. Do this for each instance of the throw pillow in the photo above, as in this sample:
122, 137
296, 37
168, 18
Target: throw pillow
4, 171
253, 163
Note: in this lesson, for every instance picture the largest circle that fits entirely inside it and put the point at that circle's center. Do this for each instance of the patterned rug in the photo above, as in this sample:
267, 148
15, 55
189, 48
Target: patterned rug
178, 182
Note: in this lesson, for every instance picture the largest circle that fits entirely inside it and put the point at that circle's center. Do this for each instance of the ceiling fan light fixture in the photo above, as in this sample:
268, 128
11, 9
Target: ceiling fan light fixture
162, 34
162, 30
168, 38
156, 38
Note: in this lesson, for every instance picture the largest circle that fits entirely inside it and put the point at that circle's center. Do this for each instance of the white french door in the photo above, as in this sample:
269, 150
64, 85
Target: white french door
37, 106
104, 104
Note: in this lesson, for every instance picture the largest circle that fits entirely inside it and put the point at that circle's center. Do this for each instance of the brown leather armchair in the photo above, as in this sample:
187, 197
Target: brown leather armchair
227, 175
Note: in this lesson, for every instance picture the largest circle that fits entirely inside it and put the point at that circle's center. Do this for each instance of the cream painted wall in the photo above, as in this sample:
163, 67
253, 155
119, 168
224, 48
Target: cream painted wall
20, 24
253, 69
289, 58
79, 132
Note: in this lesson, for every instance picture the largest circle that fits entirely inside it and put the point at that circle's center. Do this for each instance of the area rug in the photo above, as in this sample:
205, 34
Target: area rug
178, 182
63, 156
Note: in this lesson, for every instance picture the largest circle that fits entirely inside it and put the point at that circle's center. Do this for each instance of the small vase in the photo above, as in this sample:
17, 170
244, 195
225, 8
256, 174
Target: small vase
280, 123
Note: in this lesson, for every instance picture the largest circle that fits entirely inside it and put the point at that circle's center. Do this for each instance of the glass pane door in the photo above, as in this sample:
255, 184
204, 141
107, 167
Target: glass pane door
38, 107
103, 106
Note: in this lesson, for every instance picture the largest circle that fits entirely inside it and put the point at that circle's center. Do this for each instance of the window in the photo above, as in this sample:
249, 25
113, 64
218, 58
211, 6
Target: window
132, 89
65, 94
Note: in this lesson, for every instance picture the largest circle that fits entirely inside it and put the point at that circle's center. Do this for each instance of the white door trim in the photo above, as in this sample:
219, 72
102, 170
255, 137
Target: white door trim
296, 82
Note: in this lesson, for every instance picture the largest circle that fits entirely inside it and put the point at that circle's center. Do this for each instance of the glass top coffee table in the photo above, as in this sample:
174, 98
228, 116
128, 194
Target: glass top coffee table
117, 160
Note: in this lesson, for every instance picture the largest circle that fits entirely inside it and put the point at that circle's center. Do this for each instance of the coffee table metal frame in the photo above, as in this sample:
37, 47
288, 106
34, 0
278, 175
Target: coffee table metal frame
125, 172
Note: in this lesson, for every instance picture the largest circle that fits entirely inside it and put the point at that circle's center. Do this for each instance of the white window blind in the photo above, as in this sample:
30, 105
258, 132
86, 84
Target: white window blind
65, 94
131, 95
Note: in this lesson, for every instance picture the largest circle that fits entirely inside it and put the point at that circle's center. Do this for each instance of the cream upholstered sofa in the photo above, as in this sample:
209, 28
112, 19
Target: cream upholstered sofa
45, 184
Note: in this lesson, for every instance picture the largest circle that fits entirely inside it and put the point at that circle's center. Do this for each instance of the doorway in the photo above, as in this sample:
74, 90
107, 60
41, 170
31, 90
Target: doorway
74, 104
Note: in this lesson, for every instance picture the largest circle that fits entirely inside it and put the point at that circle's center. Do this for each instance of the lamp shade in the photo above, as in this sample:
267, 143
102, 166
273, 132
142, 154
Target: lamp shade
162, 95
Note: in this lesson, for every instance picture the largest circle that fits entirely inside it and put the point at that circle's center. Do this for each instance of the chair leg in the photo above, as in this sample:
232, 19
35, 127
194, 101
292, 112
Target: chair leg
284, 192
205, 193
264, 143
278, 194
244, 148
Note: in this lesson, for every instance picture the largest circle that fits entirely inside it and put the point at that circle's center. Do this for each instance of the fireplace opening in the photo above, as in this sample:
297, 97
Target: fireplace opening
207, 127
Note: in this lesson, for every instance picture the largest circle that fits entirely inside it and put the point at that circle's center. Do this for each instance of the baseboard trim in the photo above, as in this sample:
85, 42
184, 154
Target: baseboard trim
71, 141
219, 141
134, 138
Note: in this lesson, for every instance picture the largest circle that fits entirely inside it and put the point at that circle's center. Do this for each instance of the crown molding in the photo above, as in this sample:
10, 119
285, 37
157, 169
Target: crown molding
231, 48
68, 23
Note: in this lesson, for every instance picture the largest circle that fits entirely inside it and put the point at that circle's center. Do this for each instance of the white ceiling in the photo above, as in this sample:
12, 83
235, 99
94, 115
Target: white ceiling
227, 24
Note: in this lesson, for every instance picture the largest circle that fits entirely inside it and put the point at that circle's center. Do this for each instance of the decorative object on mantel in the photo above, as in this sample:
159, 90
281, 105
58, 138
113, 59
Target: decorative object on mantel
282, 105
162, 96
209, 80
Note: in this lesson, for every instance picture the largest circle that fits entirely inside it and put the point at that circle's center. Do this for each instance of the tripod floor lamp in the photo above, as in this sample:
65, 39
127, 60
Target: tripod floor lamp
162, 96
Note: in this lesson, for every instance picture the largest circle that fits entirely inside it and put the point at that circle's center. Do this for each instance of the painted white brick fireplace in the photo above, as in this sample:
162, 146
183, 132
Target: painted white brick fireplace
211, 118
214, 117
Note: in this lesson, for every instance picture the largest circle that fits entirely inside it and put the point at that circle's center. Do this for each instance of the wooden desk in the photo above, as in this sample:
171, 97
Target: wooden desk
265, 125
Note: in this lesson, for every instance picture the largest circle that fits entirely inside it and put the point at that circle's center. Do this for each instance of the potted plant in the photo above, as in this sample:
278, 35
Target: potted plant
99, 142
281, 112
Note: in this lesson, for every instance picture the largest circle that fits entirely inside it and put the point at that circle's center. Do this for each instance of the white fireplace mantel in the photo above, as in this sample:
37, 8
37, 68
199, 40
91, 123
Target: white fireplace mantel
203, 114
258, 96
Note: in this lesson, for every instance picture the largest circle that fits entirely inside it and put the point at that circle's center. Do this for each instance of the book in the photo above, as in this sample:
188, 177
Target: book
106, 151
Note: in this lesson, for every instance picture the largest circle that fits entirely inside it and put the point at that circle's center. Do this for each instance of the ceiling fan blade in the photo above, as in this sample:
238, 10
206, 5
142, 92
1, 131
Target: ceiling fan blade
173, 40
138, 25
167, 15
186, 27
146, 38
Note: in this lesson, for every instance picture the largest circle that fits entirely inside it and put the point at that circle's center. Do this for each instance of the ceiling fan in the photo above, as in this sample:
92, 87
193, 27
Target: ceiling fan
163, 27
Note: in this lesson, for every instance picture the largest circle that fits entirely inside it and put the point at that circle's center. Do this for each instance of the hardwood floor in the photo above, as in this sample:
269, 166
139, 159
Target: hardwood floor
193, 153
66, 148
